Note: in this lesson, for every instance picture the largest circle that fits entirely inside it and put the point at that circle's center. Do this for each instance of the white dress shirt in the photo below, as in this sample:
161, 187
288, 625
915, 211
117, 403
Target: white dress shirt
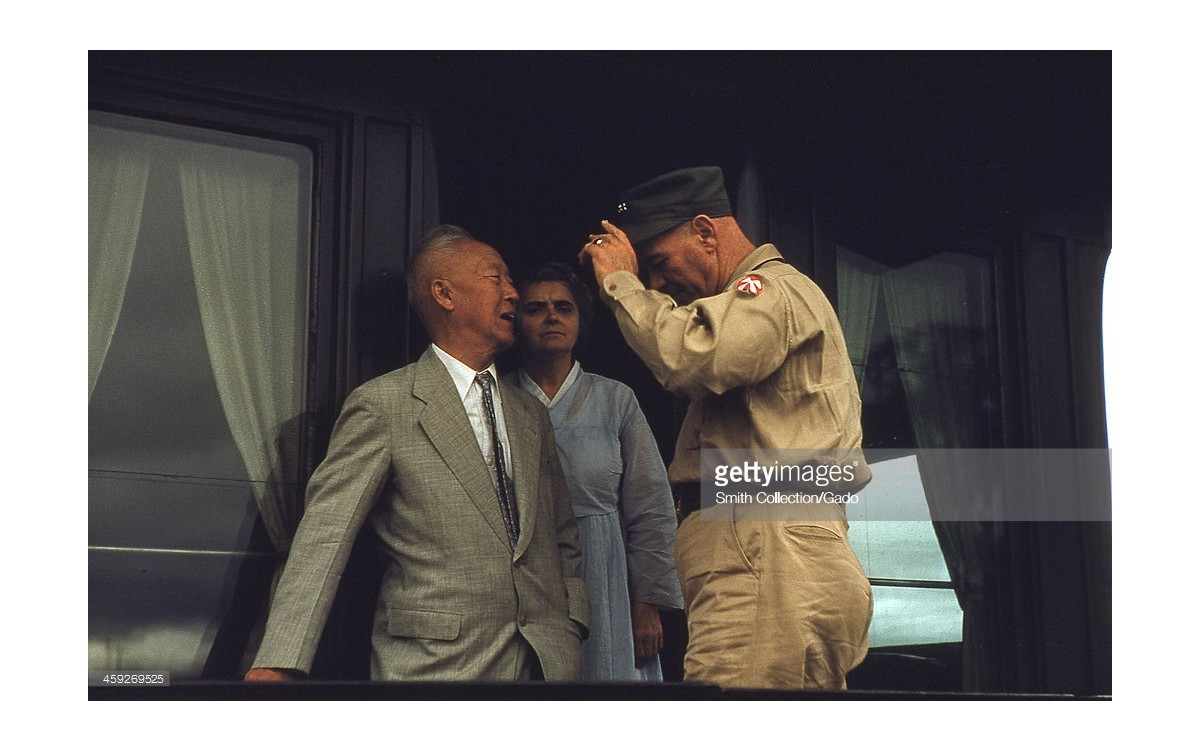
471, 394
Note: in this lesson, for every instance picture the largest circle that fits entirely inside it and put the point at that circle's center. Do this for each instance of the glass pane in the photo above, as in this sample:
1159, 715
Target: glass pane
162, 611
907, 616
903, 551
906, 550
198, 276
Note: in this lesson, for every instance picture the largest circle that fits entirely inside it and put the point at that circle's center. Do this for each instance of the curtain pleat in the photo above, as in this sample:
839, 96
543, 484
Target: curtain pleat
117, 175
239, 208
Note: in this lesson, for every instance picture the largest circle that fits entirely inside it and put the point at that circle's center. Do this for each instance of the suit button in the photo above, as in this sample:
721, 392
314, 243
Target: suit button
521, 620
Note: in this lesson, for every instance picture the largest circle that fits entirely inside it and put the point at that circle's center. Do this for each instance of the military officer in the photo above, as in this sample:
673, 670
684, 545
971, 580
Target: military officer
758, 350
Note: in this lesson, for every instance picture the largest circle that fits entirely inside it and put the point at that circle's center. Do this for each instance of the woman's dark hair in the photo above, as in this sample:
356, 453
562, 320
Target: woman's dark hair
561, 272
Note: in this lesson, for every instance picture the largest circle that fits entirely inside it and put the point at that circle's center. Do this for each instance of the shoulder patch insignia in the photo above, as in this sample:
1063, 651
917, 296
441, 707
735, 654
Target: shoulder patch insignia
751, 285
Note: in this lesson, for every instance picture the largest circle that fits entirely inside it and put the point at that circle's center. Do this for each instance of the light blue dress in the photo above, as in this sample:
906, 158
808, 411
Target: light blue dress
624, 509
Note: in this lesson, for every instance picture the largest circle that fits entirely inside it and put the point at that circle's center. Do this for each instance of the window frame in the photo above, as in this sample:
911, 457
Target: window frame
326, 347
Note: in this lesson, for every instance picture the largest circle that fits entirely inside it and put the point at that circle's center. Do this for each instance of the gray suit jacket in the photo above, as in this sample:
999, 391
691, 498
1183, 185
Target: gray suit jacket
455, 600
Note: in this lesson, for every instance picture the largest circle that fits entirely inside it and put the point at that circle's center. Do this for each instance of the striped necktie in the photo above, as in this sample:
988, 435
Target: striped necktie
507, 509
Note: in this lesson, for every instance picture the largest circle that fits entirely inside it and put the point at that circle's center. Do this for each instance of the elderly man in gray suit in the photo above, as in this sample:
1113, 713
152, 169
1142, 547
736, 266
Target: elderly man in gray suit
458, 476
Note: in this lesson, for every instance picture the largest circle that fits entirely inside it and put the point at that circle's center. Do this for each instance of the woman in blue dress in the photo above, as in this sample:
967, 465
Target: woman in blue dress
615, 475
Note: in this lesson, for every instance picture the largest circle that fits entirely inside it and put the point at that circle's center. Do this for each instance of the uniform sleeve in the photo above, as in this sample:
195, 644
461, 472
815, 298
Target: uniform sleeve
711, 346
647, 511
340, 494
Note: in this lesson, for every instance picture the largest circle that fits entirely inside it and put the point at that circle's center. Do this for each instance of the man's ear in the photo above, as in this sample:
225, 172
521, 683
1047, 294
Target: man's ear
442, 293
706, 229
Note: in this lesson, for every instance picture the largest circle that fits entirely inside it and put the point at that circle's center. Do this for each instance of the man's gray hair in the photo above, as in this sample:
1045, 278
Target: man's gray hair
441, 236
426, 263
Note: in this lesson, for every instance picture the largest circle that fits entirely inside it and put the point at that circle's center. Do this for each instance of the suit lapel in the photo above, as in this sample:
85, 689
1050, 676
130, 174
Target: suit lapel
526, 450
445, 423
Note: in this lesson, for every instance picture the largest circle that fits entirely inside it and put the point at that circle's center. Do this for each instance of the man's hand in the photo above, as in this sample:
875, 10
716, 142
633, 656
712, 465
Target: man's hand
609, 252
647, 632
270, 675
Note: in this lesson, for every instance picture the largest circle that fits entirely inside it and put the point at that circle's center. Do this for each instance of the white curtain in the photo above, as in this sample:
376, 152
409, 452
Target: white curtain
241, 210
117, 174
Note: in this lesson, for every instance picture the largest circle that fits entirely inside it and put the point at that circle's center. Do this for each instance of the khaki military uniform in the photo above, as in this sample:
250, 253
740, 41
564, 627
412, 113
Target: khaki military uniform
770, 603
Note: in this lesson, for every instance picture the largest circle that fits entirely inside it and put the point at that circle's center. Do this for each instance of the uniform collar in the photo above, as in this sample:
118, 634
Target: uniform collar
762, 254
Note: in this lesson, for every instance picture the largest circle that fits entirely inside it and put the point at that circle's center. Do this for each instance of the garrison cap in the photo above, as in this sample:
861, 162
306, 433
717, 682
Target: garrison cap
668, 200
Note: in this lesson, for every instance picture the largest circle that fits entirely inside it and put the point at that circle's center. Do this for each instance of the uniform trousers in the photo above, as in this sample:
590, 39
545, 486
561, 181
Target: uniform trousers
771, 603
